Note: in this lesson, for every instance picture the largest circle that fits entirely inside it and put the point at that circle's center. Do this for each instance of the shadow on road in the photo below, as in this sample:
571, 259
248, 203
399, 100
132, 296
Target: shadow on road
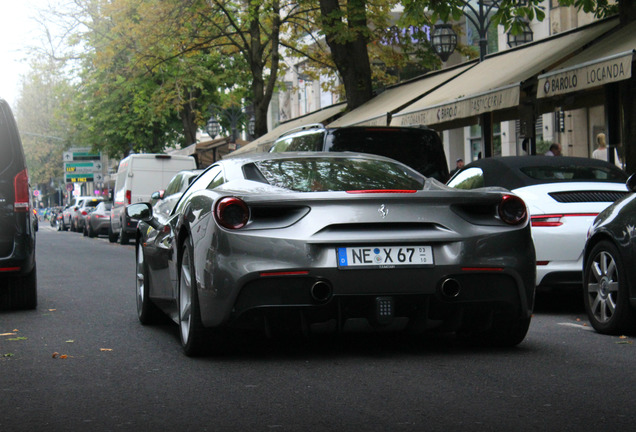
555, 302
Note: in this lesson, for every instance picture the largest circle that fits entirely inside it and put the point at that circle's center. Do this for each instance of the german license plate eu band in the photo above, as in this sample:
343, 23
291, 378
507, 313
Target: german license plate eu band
385, 256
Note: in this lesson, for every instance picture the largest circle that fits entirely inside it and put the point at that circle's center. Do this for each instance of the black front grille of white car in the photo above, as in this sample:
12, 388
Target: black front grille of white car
587, 196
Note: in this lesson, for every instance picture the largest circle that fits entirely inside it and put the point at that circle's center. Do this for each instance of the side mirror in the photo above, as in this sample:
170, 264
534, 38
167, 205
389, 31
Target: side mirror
631, 183
158, 195
139, 211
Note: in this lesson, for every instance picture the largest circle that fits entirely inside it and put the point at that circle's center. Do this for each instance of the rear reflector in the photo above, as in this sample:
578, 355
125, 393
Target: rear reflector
9, 269
381, 191
482, 269
284, 273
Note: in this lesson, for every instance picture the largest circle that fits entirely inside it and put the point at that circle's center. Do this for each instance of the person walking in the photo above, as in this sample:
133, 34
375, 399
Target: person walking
601, 148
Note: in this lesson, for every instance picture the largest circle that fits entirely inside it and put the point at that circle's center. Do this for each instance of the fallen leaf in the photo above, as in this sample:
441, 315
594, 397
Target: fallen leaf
7, 355
18, 338
578, 319
105, 349
63, 356
70, 341
7, 334
622, 337
55, 354
51, 310
624, 342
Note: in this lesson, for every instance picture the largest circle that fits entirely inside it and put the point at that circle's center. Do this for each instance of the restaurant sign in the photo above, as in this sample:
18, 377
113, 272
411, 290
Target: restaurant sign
586, 75
502, 98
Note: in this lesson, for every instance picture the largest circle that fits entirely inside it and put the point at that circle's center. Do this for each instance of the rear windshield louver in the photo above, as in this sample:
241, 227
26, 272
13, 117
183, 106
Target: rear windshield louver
587, 196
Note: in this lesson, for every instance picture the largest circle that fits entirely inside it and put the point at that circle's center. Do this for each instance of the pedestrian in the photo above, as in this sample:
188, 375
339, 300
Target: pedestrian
459, 164
601, 148
555, 150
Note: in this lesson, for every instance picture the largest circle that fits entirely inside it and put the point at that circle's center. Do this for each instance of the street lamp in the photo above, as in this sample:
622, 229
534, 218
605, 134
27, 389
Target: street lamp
524, 37
444, 40
232, 119
478, 12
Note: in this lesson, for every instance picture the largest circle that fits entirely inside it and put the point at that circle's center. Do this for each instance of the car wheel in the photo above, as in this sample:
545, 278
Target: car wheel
112, 236
123, 237
191, 329
85, 230
89, 231
21, 292
605, 292
147, 311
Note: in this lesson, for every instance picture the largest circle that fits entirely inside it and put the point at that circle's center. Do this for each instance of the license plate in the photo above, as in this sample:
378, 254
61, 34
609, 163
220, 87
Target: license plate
385, 256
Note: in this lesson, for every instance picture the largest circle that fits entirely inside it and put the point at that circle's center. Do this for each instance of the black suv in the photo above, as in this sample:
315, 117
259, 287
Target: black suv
18, 282
419, 148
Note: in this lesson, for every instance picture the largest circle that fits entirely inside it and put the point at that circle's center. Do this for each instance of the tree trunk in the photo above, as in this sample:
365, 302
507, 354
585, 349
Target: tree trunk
351, 56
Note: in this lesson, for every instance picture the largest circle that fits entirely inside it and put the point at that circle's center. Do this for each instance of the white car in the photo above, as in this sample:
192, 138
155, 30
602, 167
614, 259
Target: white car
563, 195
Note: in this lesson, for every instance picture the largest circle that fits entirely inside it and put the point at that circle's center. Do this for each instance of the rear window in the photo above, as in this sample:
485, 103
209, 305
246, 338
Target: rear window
333, 174
574, 173
6, 147
310, 141
420, 149
92, 203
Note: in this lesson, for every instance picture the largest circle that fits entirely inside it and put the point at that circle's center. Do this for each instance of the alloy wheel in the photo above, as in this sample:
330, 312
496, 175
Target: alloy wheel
602, 287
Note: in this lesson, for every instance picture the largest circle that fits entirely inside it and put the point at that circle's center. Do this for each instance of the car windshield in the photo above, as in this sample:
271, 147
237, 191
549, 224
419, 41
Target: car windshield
335, 174
574, 173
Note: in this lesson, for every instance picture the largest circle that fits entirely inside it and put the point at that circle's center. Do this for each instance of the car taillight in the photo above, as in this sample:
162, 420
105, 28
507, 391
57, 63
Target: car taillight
231, 213
512, 210
128, 197
547, 220
84, 212
21, 188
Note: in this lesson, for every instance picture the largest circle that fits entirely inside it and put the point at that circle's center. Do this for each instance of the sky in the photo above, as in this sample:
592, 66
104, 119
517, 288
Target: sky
18, 30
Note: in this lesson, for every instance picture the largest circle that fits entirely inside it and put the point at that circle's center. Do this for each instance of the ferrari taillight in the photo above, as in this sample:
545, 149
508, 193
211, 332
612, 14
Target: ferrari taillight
231, 213
512, 210
21, 188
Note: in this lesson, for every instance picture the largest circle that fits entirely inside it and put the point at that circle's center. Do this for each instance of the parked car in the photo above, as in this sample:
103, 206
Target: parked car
332, 241
138, 176
71, 211
98, 220
609, 281
564, 195
87, 206
165, 199
419, 148
18, 274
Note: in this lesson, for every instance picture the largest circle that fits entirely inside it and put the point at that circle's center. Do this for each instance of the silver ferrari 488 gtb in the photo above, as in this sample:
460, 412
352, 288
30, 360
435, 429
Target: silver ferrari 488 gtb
334, 242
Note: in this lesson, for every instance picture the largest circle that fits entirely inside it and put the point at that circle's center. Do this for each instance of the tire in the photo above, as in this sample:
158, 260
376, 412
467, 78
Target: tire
112, 237
21, 291
91, 233
147, 312
123, 236
85, 230
605, 291
72, 228
190, 327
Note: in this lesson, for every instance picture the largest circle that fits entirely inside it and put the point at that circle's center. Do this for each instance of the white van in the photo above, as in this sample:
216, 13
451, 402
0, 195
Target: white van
138, 176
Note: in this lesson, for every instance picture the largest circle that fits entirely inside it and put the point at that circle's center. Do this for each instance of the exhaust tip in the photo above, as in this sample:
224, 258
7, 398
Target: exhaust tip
451, 288
321, 291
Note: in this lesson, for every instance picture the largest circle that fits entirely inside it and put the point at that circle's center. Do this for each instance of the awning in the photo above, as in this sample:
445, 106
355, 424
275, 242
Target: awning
606, 61
395, 98
495, 83
262, 144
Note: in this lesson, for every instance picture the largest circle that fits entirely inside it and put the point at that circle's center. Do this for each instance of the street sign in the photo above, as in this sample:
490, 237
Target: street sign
74, 156
82, 167
79, 178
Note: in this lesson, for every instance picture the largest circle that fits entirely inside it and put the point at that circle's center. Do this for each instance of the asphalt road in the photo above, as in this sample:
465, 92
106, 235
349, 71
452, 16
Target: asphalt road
112, 374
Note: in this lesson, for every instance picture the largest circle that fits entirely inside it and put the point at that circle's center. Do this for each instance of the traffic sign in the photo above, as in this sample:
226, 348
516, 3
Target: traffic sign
82, 167
79, 178
74, 156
